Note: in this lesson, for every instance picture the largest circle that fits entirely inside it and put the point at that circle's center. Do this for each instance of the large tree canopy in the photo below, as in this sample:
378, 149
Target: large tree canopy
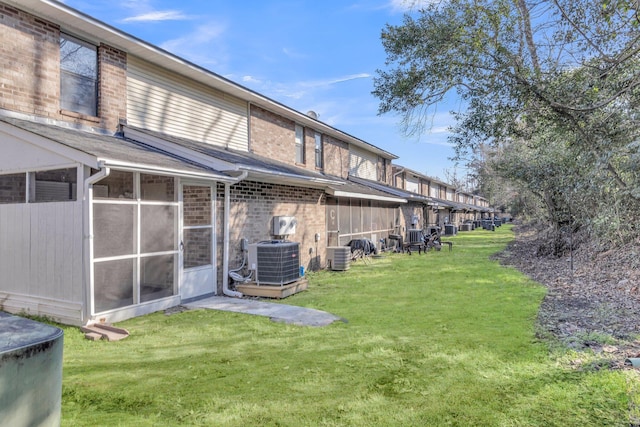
552, 95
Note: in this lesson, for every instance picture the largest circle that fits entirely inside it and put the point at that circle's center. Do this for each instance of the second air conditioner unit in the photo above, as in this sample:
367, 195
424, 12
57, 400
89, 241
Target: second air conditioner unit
338, 257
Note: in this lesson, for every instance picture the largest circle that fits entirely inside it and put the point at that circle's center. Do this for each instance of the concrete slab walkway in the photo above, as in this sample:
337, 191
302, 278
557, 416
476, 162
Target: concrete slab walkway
277, 312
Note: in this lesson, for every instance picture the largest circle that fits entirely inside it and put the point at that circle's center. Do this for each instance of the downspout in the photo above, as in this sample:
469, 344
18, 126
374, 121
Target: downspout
394, 177
88, 236
225, 256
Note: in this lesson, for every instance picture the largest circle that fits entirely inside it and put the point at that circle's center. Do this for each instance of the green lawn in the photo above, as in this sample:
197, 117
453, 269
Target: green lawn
430, 340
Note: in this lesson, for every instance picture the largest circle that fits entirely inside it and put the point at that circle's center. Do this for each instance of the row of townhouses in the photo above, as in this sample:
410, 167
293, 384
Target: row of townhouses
132, 180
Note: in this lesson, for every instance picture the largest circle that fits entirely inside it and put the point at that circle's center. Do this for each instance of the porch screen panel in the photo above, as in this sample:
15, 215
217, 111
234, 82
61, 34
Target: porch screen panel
157, 232
13, 188
157, 276
356, 217
113, 284
197, 247
332, 222
344, 217
198, 229
114, 229
366, 215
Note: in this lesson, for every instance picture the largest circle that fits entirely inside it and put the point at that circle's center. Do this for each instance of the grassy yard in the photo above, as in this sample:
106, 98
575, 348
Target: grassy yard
429, 340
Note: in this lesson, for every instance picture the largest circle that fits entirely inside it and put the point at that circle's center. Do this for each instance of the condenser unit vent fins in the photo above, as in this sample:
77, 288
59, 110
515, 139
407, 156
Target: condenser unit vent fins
275, 262
338, 257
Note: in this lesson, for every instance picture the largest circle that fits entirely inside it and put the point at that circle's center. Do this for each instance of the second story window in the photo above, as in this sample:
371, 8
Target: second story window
319, 163
299, 144
78, 76
382, 176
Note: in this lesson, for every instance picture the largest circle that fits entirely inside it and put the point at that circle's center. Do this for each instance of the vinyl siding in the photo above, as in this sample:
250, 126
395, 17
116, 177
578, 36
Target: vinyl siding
362, 164
413, 185
158, 100
41, 250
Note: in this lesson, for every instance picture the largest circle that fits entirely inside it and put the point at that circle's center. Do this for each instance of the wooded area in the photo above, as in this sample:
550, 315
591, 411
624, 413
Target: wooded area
552, 94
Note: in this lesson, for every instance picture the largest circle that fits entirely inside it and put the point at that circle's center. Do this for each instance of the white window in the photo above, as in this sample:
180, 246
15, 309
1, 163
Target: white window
319, 163
299, 144
78, 76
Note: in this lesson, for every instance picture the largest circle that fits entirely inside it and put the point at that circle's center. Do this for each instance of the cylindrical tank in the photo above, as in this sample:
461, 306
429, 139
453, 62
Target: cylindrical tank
30, 372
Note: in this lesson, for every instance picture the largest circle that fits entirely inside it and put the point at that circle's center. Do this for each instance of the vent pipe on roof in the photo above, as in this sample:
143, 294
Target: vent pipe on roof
313, 114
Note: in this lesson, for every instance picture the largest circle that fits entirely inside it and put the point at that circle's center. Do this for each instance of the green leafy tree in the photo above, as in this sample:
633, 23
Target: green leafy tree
552, 95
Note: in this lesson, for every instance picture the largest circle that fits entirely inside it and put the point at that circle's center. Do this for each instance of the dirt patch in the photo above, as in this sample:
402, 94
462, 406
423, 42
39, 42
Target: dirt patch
593, 298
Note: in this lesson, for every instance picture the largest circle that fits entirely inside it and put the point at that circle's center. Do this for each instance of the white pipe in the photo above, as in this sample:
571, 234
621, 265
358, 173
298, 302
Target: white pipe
87, 198
393, 177
225, 255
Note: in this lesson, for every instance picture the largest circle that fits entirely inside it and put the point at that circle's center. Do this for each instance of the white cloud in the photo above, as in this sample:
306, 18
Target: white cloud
201, 46
251, 79
158, 15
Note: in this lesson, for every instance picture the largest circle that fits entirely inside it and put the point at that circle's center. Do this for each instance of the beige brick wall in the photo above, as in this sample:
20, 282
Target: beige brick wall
30, 77
253, 206
112, 96
272, 136
336, 157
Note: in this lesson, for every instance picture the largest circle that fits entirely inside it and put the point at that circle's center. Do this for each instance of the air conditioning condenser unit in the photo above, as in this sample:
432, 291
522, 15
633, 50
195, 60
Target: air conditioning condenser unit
275, 262
338, 257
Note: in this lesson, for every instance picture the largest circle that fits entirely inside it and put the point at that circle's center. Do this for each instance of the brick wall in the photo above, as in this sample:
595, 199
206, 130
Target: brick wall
112, 95
253, 206
29, 51
30, 78
272, 136
336, 157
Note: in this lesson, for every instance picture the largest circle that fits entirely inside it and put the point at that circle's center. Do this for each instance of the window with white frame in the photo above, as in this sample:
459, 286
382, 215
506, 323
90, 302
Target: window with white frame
299, 144
55, 185
319, 163
78, 76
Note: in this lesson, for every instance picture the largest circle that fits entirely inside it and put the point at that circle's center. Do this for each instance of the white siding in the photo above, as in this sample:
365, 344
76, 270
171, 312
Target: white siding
413, 185
20, 156
41, 250
362, 163
450, 194
158, 100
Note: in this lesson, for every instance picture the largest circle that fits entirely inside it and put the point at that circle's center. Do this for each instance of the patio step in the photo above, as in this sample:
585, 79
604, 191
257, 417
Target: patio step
101, 331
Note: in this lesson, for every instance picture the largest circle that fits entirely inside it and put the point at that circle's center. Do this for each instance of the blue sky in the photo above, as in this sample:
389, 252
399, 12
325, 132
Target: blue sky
308, 55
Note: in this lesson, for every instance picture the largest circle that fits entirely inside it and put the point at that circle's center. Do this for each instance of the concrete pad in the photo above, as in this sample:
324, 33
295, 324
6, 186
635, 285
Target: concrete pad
276, 312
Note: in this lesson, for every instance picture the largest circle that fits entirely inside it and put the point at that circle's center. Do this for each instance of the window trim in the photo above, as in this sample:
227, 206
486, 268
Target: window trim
64, 109
319, 150
299, 144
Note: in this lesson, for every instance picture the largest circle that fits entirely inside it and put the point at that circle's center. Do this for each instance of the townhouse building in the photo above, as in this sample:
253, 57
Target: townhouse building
132, 180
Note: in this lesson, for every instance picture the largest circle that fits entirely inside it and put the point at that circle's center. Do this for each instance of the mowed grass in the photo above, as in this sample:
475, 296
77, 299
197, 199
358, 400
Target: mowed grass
446, 338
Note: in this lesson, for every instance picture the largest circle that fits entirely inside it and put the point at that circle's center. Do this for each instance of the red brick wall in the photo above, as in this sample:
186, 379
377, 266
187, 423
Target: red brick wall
30, 77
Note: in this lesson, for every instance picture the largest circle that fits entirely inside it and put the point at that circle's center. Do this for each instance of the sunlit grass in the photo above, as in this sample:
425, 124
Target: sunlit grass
445, 338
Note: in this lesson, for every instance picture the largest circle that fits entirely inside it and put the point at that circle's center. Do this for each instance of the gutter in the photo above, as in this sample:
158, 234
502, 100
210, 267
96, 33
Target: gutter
393, 177
225, 250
